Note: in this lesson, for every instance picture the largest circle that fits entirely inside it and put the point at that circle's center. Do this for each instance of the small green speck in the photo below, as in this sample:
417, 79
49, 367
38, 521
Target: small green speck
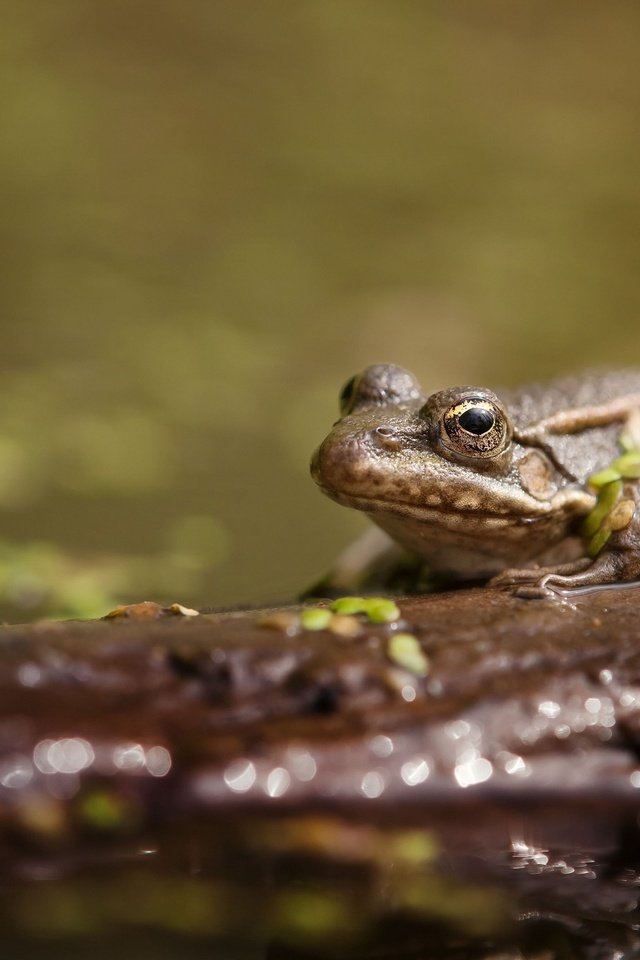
309, 914
412, 847
347, 606
593, 521
104, 810
315, 618
628, 465
604, 477
406, 652
598, 541
629, 439
381, 610
607, 498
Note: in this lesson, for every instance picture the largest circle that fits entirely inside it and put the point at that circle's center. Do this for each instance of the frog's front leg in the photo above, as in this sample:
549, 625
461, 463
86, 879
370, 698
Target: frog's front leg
372, 562
613, 544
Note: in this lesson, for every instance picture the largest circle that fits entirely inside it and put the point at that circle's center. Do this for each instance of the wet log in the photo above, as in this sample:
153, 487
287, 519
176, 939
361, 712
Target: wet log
167, 777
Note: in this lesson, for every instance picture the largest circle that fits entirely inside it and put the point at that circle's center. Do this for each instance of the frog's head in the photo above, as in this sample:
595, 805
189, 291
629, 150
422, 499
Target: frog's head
448, 462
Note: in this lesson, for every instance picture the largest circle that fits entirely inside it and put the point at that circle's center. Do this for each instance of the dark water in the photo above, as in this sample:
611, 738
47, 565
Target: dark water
542, 880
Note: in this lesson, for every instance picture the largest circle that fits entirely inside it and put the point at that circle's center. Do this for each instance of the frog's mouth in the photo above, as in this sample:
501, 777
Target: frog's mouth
453, 514
429, 497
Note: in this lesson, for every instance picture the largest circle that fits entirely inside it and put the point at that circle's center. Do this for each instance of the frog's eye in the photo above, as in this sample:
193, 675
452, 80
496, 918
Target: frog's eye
469, 425
475, 427
377, 386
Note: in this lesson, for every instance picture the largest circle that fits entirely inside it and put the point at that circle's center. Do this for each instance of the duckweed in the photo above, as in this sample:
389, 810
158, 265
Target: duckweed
610, 512
310, 913
381, 610
315, 618
628, 464
405, 650
624, 467
607, 498
604, 477
598, 541
349, 605
376, 609
104, 810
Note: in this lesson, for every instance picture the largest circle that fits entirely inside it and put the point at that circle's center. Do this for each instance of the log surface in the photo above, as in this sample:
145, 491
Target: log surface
514, 759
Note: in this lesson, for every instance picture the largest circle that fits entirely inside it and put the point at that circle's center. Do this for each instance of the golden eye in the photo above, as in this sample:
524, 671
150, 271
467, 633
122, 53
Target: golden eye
475, 427
477, 419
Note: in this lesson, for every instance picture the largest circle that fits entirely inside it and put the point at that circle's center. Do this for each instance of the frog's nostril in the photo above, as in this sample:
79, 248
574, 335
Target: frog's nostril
387, 437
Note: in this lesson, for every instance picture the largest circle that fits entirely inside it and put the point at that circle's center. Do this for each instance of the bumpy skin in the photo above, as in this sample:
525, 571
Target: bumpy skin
475, 484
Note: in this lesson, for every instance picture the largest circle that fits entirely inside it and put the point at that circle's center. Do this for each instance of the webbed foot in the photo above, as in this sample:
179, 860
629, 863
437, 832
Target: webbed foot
538, 583
546, 582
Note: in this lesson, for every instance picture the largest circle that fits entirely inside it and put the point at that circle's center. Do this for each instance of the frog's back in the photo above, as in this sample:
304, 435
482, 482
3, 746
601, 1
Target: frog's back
587, 445
538, 401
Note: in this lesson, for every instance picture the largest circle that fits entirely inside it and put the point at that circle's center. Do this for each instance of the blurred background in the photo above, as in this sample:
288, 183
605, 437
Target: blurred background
215, 212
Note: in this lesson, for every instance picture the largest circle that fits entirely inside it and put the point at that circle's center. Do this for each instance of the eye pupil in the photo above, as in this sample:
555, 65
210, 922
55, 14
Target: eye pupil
477, 420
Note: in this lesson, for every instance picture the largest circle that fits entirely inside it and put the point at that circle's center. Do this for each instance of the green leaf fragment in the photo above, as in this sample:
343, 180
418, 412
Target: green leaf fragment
415, 847
604, 477
310, 913
628, 465
593, 520
609, 494
406, 652
377, 609
104, 810
347, 606
607, 498
315, 618
630, 437
598, 541
381, 610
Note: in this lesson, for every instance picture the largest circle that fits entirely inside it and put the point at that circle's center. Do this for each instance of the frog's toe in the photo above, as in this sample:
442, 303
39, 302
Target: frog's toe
534, 591
538, 583
511, 578
582, 575
549, 587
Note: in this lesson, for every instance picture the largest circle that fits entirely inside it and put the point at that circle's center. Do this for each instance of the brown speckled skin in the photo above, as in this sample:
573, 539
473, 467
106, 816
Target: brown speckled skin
474, 519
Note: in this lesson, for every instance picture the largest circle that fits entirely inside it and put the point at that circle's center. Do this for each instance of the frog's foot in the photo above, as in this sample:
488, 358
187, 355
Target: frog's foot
608, 568
541, 582
612, 530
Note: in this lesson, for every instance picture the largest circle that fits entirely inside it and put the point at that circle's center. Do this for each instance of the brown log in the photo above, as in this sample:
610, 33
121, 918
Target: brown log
503, 767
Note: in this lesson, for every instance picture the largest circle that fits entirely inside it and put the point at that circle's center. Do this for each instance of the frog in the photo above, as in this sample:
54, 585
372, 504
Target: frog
534, 490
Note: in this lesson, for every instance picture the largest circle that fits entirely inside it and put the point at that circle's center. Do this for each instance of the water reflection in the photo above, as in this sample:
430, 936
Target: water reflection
414, 771
240, 776
373, 784
278, 782
475, 770
303, 766
381, 746
69, 755
16, 771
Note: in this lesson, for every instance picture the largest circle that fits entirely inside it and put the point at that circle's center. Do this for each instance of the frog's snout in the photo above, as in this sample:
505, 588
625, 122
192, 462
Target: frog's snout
338, 463
315, 465
386, 437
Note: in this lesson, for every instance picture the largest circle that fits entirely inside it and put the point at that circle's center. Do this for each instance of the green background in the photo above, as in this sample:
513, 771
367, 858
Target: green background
216, 212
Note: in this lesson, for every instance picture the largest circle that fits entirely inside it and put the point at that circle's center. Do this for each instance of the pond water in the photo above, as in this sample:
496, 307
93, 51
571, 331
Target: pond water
214, 214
